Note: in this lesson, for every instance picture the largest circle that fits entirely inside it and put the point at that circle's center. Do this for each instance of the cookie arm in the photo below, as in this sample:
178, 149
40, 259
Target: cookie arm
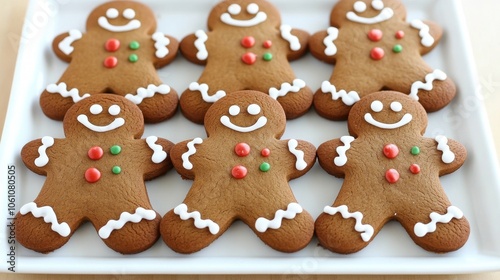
429, 34
158, 160
297, 40
451, 154
305, 156
332, 155
322, 45
193, 47
63, 44
35, 154
182, 155
166, 49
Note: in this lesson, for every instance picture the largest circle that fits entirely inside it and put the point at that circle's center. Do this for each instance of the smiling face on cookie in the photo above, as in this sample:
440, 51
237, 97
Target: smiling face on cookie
104, 114
246, 112
243, 14
387, 112
122, 17
367, 11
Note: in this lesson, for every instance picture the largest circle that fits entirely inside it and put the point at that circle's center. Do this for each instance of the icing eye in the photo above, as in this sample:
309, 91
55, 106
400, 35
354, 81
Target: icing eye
253, 8
396, 106
112, 13
378, 4
377, 106
129, 14
234, 9
96, 109
114, 110
360, 6
253, 109
234, 110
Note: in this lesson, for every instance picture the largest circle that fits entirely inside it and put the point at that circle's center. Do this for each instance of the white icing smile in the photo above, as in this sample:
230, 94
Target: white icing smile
377, 107
360, 7
113, 13
253, 109
96, 109
235, 9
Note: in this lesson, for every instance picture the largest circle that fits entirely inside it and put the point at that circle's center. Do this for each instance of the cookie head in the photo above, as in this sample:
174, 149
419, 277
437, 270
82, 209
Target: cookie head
103, 114
243, 14
387, 112
367, 11
246, 112
121, 17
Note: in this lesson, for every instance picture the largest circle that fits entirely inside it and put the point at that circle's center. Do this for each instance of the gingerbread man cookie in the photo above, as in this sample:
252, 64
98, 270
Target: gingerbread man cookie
241, 171
246, 48
96, 174
391, 173
118, 54
374, 48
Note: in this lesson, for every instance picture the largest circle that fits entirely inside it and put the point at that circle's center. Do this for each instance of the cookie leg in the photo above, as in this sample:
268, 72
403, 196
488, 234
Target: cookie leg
199, 96
156, 100
58, 97
335, 97
43, 228
347, 228
187, 229
287, 230
294, 96
432, 88
129, 232
440, 231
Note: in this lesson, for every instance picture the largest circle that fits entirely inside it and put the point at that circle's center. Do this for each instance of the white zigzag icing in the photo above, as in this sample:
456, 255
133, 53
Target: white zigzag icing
125, 217
199, 43
199, 223
448, 156
49, 216
429, 79
349, 98
159, 155
300, 163
333, 34
286, 88
427, 39
341, 160
43, 159
262, 224
161, 43
148, 92
203, 89
286, 33
365, 229
422, 229
61, 88
191, 151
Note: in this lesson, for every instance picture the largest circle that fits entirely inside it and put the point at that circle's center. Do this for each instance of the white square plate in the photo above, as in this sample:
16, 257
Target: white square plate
474, 188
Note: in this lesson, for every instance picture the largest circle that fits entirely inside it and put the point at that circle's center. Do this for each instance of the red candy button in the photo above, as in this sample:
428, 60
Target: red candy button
112, 45
392, 176
375, 35
267, 44
415, 168
249, 58
400, 34
239, 172
248, 41
377, 53
92, 175
242, 149
110, 62
95, 153
391, 151
265, 152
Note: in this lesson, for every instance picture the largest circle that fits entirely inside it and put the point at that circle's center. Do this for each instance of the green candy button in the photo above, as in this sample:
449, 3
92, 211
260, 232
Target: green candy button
116, 170
133, 58
415, 150
134, 45
115, 150
264, 167
268, 57
397, 48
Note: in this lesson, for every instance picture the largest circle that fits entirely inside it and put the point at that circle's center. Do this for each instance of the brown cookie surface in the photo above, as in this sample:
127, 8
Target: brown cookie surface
374, 48
391, 172
95, 174
241, 172
119, 53
245, 48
